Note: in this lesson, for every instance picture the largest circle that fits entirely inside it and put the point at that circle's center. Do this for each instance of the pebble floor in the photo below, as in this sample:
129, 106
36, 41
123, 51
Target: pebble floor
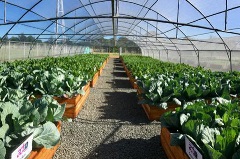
111, 124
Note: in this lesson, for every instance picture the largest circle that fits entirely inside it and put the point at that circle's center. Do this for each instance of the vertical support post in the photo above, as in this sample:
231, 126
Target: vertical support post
157, 27
120, 51
180, 56
230, 59
5, 11
57, 8
226, 15
9, 50
177, 18
167, 57
147, 34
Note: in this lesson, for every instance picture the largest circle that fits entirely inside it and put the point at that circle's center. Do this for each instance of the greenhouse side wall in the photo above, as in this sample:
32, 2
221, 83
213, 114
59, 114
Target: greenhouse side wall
12, 50
216, 60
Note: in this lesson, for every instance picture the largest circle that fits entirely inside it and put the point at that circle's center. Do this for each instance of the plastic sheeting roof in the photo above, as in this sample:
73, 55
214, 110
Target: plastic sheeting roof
170, 25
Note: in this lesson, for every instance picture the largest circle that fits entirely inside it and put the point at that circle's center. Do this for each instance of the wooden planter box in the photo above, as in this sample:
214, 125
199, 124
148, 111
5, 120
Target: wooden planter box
154, 113
44, 153
172, 152
133, 82
100, 71
75, 104
102, 67
94, 80
104, 64
72, 112
139, 90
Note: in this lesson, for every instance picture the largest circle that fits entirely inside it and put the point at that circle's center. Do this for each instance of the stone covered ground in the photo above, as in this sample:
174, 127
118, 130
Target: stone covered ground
111, 124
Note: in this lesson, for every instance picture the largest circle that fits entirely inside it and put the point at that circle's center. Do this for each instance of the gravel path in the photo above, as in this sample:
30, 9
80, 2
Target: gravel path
111, 125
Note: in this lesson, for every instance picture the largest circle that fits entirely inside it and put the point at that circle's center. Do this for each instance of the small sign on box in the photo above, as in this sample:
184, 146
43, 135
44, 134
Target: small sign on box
191, 150
23, 149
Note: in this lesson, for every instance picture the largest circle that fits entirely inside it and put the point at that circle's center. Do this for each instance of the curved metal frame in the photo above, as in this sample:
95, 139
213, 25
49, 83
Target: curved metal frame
176, 25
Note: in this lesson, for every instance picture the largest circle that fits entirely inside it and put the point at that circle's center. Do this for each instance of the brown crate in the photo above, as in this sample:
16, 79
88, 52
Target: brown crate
70, 102
172, 152
43, 153
94, 80
100, 71
133, 82
154, 113
73, 111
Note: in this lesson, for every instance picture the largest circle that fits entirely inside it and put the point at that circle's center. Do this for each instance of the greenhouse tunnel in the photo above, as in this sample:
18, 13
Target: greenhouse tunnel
119, 79
181, 31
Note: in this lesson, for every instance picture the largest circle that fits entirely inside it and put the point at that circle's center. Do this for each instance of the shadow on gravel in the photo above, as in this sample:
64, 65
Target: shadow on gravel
120, 83
130, 149
123, 106
120, 74
118, 65
119, 68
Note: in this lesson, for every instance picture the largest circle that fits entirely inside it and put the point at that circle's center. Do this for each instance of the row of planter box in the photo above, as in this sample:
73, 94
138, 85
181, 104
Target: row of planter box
73, 107
154, 113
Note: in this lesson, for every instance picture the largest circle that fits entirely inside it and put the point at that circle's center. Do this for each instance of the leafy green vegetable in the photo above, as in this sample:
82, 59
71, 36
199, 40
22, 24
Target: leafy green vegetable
163, 82
47, 135
21, 118
214, 126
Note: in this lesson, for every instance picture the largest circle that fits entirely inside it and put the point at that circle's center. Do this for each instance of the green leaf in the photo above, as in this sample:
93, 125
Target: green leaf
2, 150
235, 123
237, 144
193, 128
177, 139
41, 105
170, 119
184, 118
46, 136
225, 142
8, 109
214, 154
208, 135
3, 131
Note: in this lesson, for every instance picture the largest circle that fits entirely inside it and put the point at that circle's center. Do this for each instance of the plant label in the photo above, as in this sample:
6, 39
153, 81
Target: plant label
23, 149
191, 150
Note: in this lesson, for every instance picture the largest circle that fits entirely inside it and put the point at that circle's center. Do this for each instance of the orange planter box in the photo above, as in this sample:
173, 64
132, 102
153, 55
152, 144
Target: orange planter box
44, 153
94, 80
102, 67
74, 100
100, 71
75, 104
154, 113
104, 64
172, 152
133, 82
72, 112
139, 90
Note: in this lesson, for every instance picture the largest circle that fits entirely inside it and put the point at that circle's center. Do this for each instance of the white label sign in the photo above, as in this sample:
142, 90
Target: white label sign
191, 150
23, 150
